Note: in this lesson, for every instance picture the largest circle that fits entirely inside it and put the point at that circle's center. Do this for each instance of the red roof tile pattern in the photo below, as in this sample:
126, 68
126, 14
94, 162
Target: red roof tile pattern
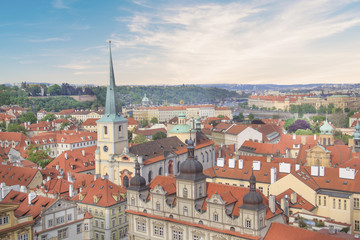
24, 209
278, 231
132, 121
301, 203
103, 189
150, 132
12, 175
90, 122
76, 160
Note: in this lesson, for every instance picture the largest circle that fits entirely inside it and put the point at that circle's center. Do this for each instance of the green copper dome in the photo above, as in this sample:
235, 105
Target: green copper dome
326, 128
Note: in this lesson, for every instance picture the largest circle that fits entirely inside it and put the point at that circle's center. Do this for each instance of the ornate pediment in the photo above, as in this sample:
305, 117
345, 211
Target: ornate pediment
59, 205
176, 228
216, 198
158, 189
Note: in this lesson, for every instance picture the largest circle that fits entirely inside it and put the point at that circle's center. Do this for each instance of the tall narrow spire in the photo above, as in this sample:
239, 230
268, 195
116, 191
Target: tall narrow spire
111, 107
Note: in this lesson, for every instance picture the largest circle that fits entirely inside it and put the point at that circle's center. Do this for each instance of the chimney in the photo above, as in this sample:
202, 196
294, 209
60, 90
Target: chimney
23, 189
140, 160
268, 158
48, 178
66, 156
297, 167
31, 196
294, 136
293, 197
315, 137
321, 171
285, 205
272, 203
57, 167
331, 229
96, 176
69, 177
106, 176
83, 152
273, 175
303, 140
71, 191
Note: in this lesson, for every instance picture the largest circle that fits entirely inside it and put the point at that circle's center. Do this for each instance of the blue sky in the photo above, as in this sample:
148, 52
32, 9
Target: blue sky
180, 42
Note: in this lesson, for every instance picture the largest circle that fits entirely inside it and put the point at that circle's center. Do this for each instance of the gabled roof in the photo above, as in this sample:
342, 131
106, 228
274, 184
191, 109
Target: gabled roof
12, 175
24, 209
75, 161
150, 132
104, 190
300, 203
90, 122
132, 121
278, 231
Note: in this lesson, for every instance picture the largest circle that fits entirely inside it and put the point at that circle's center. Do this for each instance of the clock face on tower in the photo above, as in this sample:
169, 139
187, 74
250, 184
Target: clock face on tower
105, 148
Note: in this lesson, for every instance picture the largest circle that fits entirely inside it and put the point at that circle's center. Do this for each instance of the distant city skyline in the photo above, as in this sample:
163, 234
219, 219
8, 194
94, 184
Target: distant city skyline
180, 42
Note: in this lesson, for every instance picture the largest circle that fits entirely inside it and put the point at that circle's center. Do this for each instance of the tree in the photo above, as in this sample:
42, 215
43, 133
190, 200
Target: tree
54, 90
338, 119
288, 122
144, 123
2, 126
34, 90
304, 132
257, 121
239, 118
39, 156
299, 124
154, 120
251, 116
213, 123
13, 127
139, 138
63, 125
158, 135
220, 116
28, 117
50, 117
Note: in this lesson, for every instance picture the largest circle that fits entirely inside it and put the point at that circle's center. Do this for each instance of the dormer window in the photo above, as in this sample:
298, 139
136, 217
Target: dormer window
216, 217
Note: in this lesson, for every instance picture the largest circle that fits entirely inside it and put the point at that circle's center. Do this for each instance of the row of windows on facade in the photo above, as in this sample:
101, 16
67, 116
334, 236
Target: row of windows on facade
101, 235
100, 213
106, 129
159, 230
82, 144
59, 220
121, 220
63, 233
261, 189
322, 201
4, 220
24, 236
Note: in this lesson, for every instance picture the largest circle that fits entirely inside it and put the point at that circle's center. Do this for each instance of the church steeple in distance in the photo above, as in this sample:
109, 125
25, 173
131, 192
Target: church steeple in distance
111, 107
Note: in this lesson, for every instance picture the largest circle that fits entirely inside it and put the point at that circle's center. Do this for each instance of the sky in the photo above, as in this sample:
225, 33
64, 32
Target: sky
180, 42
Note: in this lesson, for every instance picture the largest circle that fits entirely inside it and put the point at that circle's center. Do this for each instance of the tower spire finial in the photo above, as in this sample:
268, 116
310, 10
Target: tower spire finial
111, 107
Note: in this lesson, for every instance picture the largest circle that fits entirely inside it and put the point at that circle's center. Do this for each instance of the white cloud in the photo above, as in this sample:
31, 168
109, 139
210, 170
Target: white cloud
240, 42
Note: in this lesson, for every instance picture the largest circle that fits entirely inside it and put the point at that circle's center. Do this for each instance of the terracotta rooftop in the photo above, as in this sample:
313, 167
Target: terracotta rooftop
12, 175
105, 190
90, 122
301, 203
278, 231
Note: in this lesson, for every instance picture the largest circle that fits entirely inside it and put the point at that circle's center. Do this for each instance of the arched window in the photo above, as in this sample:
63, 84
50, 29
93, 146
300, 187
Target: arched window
202, 158
232, 229
125, 181
324, 141
207, 156
160, 171
329, 142
120, 128
105, 130
132, 201
150, 176
178, 167
201, 222
170, 167
200, 191
185, 193
157, 206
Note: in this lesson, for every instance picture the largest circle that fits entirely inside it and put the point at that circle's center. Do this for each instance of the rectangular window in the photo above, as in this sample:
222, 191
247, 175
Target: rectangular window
96, 223
248, 224
334, 203
196, 237
69, 217
102, 224
60, 220
24, 236
4, 220
157, 206
78, 228
177, 235
113, 235
63, 233
319, 200
86, 227
357, 225
324, 201
339, 203
344, 204
356, 203
261, 189
113, 221
50, 223
141, 226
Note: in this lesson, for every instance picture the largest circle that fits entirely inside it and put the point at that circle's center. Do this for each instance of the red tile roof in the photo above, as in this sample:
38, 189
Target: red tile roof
78, 160
90, 122
278, 231
132, 121
12, 175
150, 132
24, 209
300, 203
103, 189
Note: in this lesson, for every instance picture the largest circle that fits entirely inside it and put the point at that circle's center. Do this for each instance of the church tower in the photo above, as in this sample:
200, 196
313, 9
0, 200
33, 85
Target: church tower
112, 130
326, 134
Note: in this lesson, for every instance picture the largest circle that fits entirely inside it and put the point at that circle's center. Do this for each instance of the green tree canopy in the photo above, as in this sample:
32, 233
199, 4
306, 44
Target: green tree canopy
50, 117
158, 135
38, 156
54, 90
154, 120
139, 138
13, 127
28, 117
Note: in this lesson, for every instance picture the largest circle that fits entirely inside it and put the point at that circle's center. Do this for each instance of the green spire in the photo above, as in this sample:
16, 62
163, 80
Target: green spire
111, 107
